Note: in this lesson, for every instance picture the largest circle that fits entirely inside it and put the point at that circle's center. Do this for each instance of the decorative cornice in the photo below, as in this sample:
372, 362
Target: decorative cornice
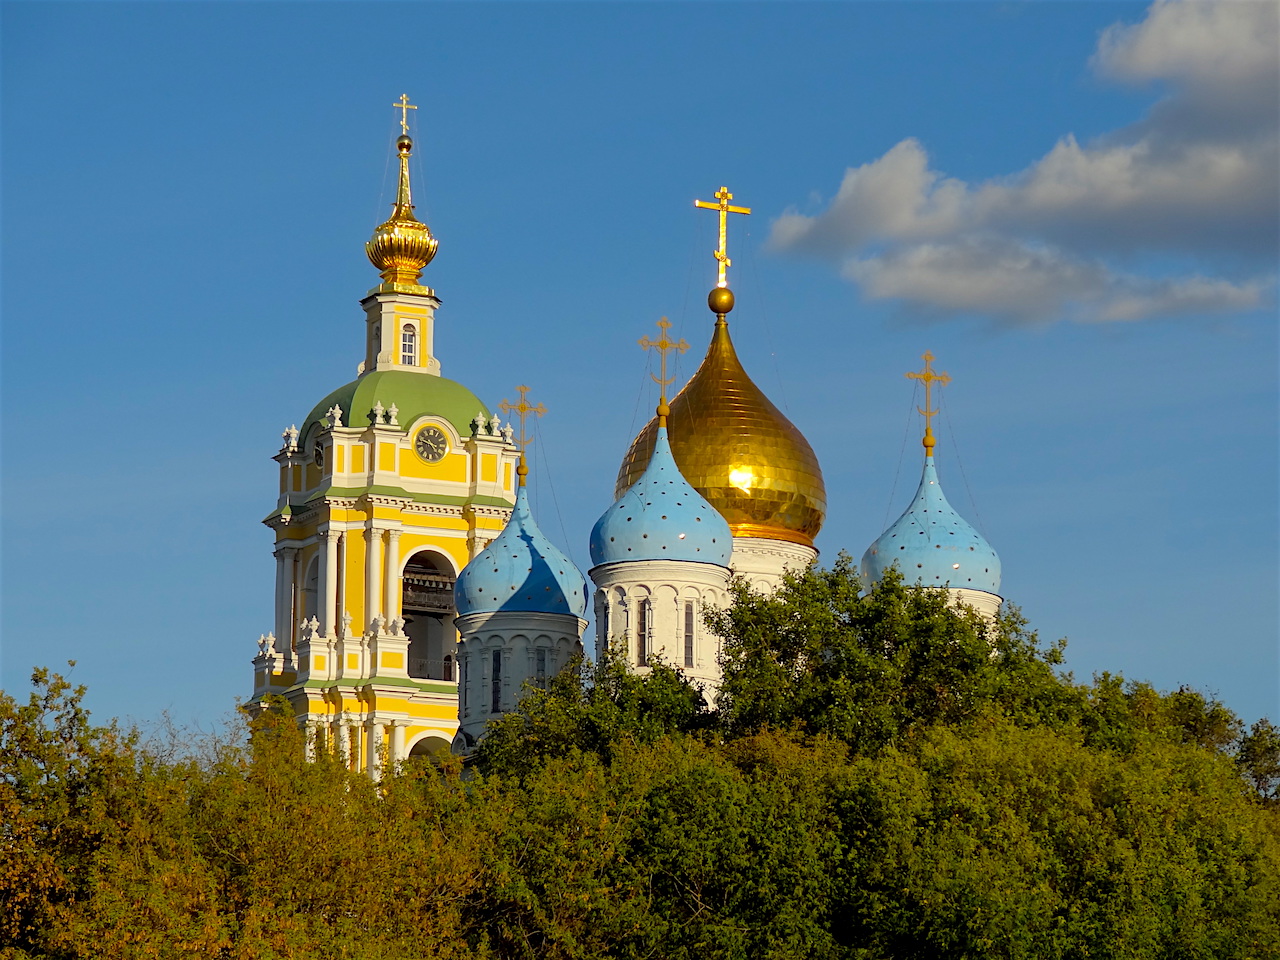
433, 509
476, 510
382, 500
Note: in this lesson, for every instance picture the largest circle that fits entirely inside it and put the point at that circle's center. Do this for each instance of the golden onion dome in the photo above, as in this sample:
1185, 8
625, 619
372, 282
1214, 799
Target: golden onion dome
402, 246
737, 449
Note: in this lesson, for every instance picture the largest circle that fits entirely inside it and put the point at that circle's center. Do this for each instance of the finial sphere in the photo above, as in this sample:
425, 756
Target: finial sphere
404, 144
720, 300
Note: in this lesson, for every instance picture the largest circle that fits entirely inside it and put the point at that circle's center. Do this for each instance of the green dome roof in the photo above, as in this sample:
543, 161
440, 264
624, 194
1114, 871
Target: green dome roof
414, 394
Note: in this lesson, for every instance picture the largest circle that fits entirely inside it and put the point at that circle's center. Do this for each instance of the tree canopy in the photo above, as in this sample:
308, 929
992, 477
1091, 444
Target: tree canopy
880, 777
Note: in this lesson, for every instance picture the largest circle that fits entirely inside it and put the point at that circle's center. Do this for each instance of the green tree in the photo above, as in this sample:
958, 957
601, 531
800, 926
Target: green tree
870, 670
590, 708
62, 782
1259, 758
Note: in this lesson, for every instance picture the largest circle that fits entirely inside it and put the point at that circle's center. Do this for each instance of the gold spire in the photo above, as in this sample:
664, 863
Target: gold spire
402, 246
663, 345
720, 300
928, 378
739, 451
522, 408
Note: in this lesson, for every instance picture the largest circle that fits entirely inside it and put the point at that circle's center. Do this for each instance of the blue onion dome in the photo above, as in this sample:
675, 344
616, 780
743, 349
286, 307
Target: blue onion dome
521, 571
934, 545
661, 517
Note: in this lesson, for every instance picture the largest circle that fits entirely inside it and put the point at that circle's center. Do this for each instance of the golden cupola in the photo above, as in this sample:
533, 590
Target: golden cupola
730, 442
402, 246
736, 448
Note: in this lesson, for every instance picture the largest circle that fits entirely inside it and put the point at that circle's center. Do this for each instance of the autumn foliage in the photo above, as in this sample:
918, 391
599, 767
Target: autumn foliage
884, 777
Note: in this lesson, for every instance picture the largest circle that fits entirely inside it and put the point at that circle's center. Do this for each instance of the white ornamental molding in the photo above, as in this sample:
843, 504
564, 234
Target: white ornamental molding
433, 509
383, 500
344, 503
479, 510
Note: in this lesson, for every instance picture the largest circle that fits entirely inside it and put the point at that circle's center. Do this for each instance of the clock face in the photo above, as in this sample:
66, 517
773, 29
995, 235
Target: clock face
431, 444
318, 453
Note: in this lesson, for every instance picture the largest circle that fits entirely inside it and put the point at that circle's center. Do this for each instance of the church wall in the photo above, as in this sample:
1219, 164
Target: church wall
518, 638
651, 594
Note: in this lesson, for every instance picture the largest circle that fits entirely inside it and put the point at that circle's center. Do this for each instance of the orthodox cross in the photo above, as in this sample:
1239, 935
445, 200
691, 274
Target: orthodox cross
928, 378
404, 106
663, 345
522, 408
722, 256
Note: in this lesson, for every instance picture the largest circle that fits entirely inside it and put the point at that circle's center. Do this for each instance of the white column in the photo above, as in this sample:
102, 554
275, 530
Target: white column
329, 583
286, 566
309, 737
396, 753
282, 613
372, 584
342, 738
391, 576
295, 600
373, 749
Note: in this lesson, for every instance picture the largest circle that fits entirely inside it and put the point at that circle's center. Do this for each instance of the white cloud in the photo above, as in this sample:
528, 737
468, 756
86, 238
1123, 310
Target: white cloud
1198, 197
1223, 43
1021, 283
1198, 177
896, 197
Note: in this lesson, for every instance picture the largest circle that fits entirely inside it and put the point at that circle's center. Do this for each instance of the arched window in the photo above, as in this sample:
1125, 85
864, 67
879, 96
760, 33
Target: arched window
689, 623
448, 668
642, 632
409, 345
495, 683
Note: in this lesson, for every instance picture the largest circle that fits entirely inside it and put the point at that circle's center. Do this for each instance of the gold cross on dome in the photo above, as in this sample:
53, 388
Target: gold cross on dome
928, 378
663, 345
722, 254
522, 408
404, 106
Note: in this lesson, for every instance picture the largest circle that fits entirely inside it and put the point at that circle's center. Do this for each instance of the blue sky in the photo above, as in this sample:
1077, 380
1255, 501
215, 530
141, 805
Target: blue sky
1073, 205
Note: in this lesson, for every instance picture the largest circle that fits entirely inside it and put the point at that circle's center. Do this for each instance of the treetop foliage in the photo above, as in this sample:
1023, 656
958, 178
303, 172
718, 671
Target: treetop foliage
880, 777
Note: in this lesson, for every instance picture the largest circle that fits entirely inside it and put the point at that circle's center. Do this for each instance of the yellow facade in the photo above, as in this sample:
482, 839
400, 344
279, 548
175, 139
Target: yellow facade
393, 483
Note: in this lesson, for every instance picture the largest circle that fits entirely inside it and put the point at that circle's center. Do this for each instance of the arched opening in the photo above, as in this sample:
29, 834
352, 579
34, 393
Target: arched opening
430, 746
427, 602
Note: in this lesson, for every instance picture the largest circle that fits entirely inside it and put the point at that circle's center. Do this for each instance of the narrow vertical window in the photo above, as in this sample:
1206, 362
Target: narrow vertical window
462, 684
688, 633
448, 667
540, 661
495, 684
642, 632
409, 345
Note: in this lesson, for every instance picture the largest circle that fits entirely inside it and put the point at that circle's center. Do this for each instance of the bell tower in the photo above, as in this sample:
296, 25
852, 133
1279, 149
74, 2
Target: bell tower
392, 484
